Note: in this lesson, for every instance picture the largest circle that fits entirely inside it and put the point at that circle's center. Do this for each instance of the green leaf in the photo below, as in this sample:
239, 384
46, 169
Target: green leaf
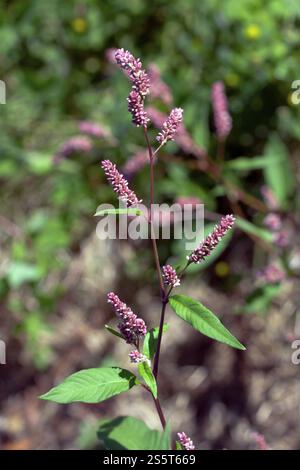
129, 211
92, 385
260, 299
150, 341
252, 229
113, 331
130, 433
20, 273
248, 164
178, 446
146, 372
203, 320
39, 163
279, 174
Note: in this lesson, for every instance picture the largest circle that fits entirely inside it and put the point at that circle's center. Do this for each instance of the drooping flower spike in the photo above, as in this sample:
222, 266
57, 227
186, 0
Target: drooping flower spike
131, 327
170, 276
222, 118
212, 240
140, 88
119, 184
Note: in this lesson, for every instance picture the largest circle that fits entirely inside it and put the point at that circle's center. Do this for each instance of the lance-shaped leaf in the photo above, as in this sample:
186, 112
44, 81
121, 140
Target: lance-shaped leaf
146, 372
203, 320
92, 385
279, 174
150, 341
252, 229
113, 331
130, 433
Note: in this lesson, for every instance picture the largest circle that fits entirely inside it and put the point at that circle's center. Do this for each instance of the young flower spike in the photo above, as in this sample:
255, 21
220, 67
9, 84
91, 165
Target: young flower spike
222, 117
212, 240
182, 137
170, 126
170, 276
130, 326
185, 441
136, 357
119, 184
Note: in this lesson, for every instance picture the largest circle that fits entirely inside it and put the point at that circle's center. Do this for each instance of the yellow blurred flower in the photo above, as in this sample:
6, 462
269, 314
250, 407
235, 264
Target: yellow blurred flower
290, 99
222, 269
232, 80
79, 25
253, 32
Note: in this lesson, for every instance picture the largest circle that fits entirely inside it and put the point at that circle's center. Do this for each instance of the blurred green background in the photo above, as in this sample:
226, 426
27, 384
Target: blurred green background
54, 62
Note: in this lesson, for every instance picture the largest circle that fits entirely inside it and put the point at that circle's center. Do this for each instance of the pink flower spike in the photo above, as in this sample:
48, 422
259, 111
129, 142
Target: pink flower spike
136, 108
130, 326
182, 137
222, 118
159, 89
170, 126
140, 87
136, 163
80, 144
271, 274
260, 441
136, 357
282, 238
212, 240
170, 276
269, 197
93, 129
119, 184
133, 68
185, 441
273, 222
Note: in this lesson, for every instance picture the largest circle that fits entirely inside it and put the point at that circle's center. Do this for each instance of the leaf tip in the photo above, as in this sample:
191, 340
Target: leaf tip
43, 397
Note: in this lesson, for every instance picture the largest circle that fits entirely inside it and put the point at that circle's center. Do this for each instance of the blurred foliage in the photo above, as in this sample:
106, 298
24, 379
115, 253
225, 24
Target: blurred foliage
54, 64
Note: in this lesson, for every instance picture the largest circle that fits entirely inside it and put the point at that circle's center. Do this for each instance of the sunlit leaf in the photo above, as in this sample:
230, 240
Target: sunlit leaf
92, 385
202, 319
131, 433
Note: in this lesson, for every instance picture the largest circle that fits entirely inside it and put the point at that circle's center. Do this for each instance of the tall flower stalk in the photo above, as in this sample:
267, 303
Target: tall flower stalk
167, 276
96, 385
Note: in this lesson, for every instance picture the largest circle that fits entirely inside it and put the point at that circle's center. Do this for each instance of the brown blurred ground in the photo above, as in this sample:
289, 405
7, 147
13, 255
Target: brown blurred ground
218, 395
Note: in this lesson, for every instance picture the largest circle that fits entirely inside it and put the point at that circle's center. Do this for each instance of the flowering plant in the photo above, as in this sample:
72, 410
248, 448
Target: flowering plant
98, 384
